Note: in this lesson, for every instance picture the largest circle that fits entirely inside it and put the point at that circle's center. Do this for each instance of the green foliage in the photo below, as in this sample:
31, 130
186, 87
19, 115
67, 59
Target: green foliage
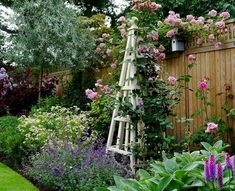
11, 141
60, 123
49, 33
182, 172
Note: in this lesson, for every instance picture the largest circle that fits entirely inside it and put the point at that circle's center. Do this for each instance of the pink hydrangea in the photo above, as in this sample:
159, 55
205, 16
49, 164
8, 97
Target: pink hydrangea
220, 25
202, 85
191, 58
212, 13
211, 127
225, 15
200, 20
171, 33
172, 79
92, 95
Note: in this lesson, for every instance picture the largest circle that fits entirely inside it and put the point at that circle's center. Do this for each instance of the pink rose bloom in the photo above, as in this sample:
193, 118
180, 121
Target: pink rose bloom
155, 6
193, 21
106, 89
141, 5
190, 17
97, 50
113, 65
202, 85
171, 33
102, 45
99, 83
218, 44
121, 19
161, 48
171, 13
211, 127
225, 15
161, 57
191, 58
211, 37
199, 41
220, 24
91, 94
172, 79
155, 36
212, 13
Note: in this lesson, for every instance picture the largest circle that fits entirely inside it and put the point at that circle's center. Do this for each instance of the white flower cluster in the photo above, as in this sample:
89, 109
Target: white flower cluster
60, 124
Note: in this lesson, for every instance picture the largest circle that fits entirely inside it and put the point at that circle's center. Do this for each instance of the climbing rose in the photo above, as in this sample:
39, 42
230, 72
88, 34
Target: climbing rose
218, 44
172, 79
199, 41
202, 85
191, 58
225, 15
171, 33
211, 127
212, 13
211, 37
161, 48
91, 94
220, 24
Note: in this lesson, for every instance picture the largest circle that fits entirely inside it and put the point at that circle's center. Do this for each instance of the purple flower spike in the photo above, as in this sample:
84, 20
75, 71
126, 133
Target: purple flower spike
219, 175
233, 166
212, 167
227, 161
207, 171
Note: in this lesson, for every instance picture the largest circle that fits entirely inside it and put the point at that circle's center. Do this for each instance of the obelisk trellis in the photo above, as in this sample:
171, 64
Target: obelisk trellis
121, 126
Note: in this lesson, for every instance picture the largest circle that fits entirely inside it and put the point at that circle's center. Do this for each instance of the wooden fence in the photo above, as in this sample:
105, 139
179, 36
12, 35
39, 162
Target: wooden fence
218, 65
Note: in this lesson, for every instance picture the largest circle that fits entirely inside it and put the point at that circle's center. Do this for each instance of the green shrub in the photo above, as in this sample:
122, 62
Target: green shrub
11, 141
60, 123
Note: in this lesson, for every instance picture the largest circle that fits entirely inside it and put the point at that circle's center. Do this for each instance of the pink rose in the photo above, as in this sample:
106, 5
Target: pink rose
161, 57
225, 15
191, 58
161, 48
211, 127
212, 13
199, 41
220, 24
172, 79
106, 89
190, 17
155, 6
218, 44
91, 94
202, 85
211, 37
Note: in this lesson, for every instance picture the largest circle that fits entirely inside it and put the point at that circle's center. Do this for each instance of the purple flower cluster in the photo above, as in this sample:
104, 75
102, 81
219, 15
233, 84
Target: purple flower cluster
74, 167
213, 171
5, 82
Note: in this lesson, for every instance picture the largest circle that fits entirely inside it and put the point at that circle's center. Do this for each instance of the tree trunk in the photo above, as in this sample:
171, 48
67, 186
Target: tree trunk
40, 85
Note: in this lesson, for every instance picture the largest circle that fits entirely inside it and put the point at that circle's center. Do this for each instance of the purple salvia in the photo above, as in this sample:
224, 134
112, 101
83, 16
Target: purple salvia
233, 166
219, 175
207, 171
228, 161
212, 167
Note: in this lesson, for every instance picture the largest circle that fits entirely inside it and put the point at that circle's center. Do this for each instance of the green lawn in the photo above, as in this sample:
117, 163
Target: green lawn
12, 181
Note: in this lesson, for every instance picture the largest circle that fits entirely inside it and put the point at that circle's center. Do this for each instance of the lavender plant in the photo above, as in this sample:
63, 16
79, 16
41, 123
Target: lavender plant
74, 167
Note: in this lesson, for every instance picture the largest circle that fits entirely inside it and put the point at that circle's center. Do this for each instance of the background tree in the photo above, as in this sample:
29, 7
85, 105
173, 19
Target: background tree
49, 35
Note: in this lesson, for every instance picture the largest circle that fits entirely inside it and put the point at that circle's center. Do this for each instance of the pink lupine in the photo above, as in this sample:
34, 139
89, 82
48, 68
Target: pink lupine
225, 15
202, 85
212, 13
207, 171
220, 25
171, 33
191, 58
233, 165
228, 163
211, 37
172, 79
211, 127
212, 167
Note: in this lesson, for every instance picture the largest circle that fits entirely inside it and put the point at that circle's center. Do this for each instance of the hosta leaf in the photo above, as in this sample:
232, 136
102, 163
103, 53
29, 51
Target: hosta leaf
171, 165
143, 174
207, 146
164, 182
